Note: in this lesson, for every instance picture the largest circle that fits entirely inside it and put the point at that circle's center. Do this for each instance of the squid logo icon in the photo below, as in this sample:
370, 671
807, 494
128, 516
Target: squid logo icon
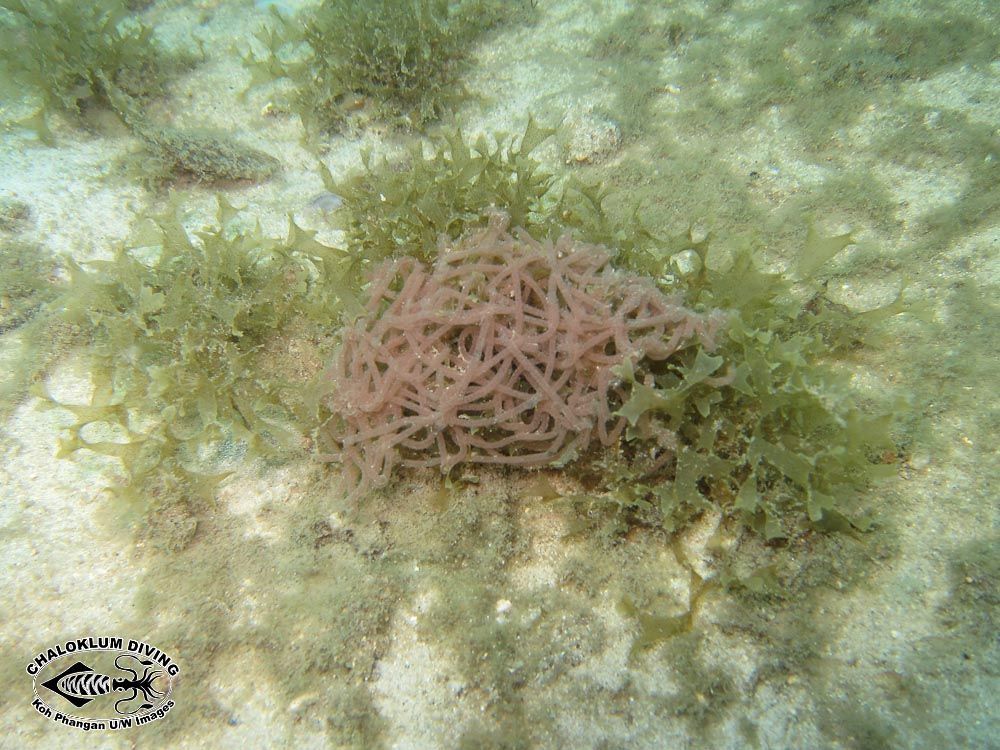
79, 684
103, 683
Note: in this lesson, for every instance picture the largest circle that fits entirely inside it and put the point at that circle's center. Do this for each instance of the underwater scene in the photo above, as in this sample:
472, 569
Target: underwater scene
499, 374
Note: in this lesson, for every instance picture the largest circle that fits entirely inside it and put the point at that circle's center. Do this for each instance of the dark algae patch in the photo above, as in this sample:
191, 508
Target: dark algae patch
738, 62
27, 282
29, 286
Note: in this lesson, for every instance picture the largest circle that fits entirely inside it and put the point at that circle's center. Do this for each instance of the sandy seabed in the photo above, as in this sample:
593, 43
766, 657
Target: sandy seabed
302, 620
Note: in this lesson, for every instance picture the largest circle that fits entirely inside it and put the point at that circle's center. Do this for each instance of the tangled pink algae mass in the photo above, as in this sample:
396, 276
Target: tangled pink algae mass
502, 353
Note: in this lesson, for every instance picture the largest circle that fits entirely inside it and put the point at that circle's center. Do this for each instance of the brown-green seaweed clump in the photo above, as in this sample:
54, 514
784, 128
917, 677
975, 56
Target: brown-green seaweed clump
66, 51
788, 442
404, 207
85, 57
186, 335
398, 59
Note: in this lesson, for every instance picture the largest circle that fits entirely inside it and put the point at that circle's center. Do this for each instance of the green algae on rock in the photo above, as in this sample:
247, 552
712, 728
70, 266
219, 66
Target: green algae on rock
203, 155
